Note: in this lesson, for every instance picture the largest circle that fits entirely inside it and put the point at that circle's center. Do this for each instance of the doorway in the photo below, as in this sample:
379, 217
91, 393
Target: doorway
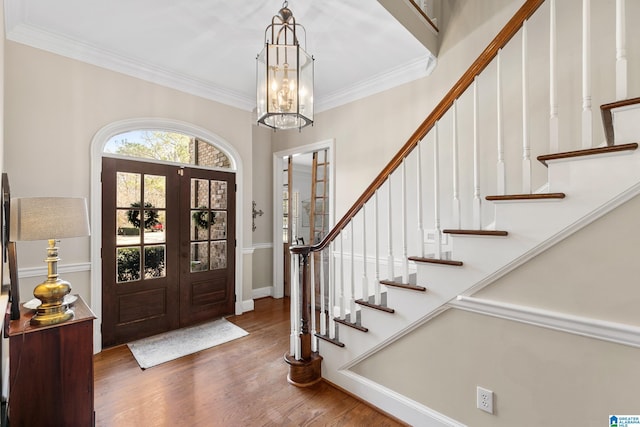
304, 185
168, 255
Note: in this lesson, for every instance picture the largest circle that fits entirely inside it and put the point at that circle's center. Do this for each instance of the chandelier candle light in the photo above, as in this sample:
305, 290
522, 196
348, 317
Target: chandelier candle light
50, 218
284, 77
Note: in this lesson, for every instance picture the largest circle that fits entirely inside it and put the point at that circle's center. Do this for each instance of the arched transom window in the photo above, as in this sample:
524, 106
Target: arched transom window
167, 146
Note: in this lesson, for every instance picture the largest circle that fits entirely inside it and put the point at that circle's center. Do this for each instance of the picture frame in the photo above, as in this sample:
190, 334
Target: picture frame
5, 216
14, 288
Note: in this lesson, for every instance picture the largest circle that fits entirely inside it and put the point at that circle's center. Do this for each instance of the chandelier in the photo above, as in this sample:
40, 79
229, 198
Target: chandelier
284, 76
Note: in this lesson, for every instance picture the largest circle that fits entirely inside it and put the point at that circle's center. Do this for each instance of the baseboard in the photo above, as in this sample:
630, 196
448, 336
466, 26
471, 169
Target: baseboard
390, 402
247, 305
266, 291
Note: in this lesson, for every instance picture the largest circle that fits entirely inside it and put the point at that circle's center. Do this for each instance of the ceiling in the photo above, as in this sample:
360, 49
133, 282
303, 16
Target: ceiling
208, 47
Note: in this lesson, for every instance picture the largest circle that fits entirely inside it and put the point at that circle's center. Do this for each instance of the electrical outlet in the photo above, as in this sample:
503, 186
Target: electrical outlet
485, 400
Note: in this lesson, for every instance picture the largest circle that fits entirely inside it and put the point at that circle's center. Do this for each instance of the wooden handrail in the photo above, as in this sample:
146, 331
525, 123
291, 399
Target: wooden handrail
503, 37
424, 15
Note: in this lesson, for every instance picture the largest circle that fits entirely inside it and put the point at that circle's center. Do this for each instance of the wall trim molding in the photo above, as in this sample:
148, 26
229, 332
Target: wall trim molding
604, 330
62, 268
267, 245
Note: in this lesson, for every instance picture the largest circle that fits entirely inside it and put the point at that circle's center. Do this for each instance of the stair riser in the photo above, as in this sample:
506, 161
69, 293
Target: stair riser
595, 173
625, 121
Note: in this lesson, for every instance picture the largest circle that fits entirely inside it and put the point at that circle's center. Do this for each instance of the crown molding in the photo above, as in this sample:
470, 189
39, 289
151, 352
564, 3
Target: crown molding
85, 52
404, 73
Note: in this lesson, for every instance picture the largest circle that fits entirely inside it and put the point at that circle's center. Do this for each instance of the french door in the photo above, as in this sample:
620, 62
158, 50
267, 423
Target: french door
168, 255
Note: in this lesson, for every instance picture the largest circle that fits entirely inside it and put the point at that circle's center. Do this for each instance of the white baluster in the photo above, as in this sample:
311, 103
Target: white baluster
587, 134
312, 289
621, 51
352, 281
343, 302
526, 145
501, 171
554, 139
477, 216
332, 289
377, 248
419, 191
365, 279
390, 259
323, 304
436, 192
405, 256
455, 168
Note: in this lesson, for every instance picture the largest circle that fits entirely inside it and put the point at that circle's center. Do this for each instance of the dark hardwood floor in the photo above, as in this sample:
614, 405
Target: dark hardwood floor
240, 383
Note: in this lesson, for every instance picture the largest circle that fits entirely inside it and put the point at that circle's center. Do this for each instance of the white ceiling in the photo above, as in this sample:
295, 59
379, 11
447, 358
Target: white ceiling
208, 47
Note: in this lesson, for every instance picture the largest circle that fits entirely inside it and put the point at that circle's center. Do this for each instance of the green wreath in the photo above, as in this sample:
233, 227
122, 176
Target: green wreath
201, 219
150, 215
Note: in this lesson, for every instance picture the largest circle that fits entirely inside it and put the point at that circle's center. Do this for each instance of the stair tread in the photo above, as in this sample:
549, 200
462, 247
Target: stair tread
534, 196
328, 339
375, 306
346, 322
403, 285
587, 152
434, 260
476, 232
607, 116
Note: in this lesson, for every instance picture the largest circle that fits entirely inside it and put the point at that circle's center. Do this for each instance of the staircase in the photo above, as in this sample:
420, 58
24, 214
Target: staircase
384, 273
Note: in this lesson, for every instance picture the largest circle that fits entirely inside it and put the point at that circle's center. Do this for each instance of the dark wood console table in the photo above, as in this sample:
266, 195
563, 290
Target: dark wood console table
51, 370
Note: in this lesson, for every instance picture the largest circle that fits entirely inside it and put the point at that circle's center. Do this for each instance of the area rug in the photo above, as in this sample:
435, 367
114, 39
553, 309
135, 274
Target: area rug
171, 345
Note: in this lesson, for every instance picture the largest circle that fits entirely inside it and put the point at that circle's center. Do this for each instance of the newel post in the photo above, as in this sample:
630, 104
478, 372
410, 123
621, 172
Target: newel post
305, 367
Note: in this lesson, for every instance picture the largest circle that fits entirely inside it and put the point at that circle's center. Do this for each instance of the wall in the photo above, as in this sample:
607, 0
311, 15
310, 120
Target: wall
55, 105
263, 195
536, 374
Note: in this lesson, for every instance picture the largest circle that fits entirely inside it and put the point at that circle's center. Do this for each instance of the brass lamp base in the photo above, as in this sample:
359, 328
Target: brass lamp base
52, 309
51, 293
51, 315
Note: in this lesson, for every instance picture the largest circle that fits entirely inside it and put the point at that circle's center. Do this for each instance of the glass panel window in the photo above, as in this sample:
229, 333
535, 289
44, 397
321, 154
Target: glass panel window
126, 233
128, 189
128, 264
199, 256
200, 220
199, 194
218, 195
155, 190
219, 225
154, 261
218, 255
155, 233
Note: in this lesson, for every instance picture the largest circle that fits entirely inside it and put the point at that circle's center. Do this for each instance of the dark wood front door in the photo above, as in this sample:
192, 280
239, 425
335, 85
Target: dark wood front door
207, 245
168, 257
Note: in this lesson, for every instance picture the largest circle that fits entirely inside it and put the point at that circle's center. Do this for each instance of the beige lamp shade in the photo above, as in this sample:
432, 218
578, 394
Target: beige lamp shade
44, 218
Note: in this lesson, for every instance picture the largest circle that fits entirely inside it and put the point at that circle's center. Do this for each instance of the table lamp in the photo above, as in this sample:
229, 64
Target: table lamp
50, 218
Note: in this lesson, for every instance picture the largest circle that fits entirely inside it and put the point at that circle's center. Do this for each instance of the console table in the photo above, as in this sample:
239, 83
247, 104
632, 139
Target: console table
51, 370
